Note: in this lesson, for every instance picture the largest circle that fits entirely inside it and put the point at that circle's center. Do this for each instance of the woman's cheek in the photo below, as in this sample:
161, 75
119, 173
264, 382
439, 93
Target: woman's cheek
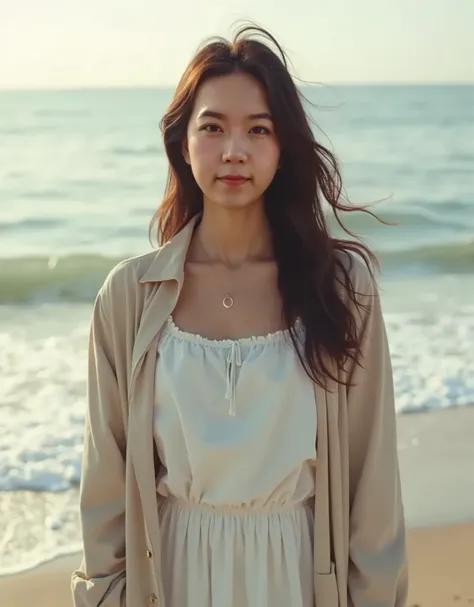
203, 146
271, 156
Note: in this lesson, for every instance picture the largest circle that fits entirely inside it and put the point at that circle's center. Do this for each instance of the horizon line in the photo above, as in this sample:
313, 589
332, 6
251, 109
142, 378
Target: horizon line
121, 87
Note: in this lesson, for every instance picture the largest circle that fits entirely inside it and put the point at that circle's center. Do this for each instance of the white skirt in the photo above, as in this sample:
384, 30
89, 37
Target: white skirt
258, 556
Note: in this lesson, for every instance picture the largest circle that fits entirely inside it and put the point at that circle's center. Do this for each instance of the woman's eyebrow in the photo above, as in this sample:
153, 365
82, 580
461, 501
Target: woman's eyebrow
213, 114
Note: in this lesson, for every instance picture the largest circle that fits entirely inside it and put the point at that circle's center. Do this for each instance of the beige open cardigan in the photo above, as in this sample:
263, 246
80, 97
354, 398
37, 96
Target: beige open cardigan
359, 537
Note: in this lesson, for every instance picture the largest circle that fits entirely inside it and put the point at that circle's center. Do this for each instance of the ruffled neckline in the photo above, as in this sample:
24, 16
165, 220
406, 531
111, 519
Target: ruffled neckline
274, 337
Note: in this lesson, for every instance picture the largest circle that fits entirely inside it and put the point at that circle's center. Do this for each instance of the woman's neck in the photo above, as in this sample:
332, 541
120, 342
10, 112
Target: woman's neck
232, 237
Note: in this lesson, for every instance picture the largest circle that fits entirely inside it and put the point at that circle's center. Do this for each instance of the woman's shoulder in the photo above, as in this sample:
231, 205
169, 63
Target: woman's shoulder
358, 286
122, 283
359, 271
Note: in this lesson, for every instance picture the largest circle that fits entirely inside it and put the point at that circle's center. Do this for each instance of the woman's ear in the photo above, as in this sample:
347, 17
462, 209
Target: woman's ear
185, 151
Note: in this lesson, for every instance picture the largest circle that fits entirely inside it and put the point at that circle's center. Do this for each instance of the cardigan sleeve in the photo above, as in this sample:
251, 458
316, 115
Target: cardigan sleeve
377, 573
100, 578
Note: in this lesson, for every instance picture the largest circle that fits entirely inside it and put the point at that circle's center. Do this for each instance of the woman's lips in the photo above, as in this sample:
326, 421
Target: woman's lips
233, 180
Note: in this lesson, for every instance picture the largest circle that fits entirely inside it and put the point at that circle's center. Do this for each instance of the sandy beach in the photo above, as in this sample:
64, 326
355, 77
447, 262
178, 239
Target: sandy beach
436, 459
441, 573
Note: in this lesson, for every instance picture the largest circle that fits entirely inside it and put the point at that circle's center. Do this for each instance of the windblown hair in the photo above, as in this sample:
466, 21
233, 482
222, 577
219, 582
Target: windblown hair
310, 261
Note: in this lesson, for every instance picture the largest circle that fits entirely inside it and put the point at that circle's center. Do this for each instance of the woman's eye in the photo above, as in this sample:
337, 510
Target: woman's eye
215, 128
261, 130
210, 128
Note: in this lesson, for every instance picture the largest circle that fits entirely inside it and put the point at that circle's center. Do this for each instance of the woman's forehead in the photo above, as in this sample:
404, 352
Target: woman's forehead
234, 95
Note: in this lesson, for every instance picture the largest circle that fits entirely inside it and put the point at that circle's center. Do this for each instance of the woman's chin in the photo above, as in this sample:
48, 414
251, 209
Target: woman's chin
233, 202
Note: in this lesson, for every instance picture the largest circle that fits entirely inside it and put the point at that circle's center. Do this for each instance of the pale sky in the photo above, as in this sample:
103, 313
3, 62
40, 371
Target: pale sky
90, 43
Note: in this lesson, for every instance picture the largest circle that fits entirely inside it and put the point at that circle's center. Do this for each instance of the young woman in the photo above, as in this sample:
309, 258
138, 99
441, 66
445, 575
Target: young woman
240, 446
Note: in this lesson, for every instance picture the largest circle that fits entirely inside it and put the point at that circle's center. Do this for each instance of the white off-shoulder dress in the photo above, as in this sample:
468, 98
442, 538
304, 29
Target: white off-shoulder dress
235, 428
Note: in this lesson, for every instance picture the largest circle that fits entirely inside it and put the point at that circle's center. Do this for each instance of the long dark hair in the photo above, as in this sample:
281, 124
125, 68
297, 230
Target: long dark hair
308, 258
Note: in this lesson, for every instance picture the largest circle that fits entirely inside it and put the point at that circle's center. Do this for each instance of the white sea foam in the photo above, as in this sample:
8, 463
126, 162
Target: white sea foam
43, 362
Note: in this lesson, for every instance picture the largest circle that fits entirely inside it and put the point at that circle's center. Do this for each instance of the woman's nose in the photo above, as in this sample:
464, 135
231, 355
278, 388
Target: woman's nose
234, 151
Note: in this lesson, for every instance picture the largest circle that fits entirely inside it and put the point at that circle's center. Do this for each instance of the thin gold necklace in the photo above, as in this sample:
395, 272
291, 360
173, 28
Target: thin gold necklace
228, 300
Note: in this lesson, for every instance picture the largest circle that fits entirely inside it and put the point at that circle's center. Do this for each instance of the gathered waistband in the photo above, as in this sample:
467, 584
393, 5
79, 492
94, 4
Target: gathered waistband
242, 510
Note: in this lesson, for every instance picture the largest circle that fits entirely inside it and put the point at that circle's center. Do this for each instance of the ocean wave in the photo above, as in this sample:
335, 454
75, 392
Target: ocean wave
29, 129
73, 278
36, 223
60, 113
455, 258
77, 278
147, 150
453, 214
52, 194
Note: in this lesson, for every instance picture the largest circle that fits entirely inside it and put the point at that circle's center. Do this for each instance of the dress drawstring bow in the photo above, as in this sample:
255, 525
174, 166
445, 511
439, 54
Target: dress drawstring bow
234, 360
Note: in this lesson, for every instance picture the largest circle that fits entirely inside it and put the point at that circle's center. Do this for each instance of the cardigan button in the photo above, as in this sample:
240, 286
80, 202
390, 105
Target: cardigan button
152, 599
148, 554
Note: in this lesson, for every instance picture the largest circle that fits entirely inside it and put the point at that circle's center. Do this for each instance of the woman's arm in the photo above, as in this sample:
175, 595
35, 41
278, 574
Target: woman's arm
378, 575
100, 579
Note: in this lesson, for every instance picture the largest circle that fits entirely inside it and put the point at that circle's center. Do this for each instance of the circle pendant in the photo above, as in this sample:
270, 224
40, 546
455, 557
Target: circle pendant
227, 302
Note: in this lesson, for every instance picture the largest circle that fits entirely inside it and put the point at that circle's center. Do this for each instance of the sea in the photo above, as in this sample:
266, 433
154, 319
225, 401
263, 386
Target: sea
81, 174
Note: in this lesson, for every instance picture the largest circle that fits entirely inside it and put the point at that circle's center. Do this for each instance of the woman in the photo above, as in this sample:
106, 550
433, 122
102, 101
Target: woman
240, 446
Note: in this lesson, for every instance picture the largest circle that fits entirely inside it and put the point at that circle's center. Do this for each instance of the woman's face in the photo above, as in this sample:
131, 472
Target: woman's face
231, 133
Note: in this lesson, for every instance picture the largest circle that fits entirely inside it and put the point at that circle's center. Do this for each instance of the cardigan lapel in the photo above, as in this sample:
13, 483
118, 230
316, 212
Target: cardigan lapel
326, 406
141, 441
166, 273
159, 306
322, 534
